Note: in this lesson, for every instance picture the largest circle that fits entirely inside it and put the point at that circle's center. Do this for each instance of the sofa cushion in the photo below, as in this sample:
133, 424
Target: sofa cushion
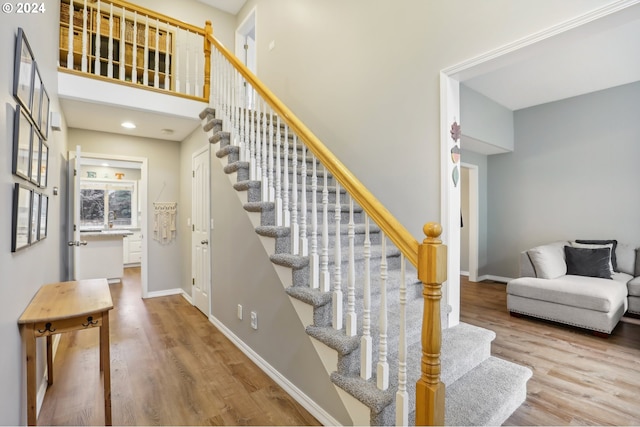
622, 277
626, 258
588, 262
634, 287
548, 260
577, 291
614, 260
596, 246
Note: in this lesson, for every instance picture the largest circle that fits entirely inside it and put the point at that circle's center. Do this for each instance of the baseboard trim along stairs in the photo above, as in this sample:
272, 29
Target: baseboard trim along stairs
480, 389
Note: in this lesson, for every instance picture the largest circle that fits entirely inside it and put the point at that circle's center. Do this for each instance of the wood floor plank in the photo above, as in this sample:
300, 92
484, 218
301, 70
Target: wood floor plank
578, 378
169, 366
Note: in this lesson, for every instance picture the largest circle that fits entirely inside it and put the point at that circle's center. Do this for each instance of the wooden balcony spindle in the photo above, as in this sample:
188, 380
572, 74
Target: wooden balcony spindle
402, 396
208, 29
432, 272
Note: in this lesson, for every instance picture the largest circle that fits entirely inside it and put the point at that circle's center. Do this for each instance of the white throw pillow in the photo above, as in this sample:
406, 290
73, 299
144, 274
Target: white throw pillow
594, 246
626, 256
548, 260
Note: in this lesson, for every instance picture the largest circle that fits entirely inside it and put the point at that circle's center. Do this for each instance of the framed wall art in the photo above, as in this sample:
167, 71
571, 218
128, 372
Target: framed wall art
21, 221
23, 71
35, 216
44, 165
44, 113
22, 136
36, 144
44, 216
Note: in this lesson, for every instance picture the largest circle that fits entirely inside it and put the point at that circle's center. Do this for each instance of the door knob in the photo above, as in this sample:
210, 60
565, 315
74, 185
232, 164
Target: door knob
204, 242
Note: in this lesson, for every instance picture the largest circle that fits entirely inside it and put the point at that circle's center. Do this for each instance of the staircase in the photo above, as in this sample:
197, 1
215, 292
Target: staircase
480, 389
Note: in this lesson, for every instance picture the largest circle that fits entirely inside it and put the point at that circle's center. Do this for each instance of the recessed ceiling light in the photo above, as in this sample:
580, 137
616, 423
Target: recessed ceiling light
106, 165
128, 125
167, 131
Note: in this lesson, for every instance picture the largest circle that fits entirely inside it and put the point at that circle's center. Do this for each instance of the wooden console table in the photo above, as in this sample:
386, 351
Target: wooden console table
64, 307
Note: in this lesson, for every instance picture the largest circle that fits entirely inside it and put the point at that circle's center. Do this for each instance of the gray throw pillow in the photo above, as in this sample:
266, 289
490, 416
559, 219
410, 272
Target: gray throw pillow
614, 261
588, 262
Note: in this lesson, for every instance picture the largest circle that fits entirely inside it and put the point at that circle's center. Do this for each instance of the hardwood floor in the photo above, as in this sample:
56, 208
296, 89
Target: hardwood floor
170, 366
578, 378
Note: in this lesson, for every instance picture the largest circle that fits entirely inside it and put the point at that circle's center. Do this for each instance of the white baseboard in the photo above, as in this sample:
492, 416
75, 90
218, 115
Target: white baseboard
187, 297
501, 279
165, 293
299, 396
464, 273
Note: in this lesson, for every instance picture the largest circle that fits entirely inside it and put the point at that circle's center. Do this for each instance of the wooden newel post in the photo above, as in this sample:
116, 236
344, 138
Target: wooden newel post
432, 272
208, 30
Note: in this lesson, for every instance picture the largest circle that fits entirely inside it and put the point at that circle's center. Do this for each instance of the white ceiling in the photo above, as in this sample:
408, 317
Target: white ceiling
590, 57
231, 6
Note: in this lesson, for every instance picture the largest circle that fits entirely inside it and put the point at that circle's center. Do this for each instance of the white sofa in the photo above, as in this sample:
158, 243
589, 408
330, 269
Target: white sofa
558, 284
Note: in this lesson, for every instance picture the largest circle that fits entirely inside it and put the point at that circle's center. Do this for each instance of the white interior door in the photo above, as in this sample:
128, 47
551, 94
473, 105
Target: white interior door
201, 261
75, 243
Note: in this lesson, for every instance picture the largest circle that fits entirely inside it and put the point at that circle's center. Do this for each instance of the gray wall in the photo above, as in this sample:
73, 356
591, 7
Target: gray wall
573, 174
25, 271
365, 77
163, 186
485, 120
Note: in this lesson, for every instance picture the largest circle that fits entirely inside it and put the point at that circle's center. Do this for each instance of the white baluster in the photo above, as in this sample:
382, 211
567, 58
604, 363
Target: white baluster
187, 88
247, 138
96, 64
285, 199
314, 258
366, 351
402, 396
252, 145
256, 127
134, 59
145, 68
110, 44
156, 64
279, 213
304, 242
295, 228
70, 59
178, 73
265, 155
325, 278
383, 365
122, 59
272, 190
85, 41
337, 287
351, 277
167, 71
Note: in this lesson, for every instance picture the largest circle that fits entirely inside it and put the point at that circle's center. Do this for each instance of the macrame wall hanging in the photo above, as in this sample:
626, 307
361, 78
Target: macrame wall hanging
164, 221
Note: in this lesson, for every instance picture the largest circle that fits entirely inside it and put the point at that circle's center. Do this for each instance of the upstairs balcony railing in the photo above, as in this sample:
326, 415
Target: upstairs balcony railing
120, 41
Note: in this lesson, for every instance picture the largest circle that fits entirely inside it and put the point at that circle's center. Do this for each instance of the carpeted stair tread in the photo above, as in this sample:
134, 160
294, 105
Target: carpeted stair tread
235, 167
294, 262
488, 394
273, 231
206, 112
259, 206
226, 150
246, 185
218, 136
313, 297
337, 341
464, 346
365, 391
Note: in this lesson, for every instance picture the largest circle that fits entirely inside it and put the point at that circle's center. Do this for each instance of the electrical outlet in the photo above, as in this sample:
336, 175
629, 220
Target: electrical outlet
240, 311
254, 320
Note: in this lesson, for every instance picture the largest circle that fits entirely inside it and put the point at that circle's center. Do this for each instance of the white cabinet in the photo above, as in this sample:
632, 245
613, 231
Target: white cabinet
132, 248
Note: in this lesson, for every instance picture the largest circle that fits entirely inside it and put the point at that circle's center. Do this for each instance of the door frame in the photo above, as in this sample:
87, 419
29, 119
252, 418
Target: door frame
248, 25
450, 79
144, 217
204, 150
473, 221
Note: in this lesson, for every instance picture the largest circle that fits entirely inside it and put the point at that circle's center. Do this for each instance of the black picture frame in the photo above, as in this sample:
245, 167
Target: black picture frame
36, 97
44, 216
44, 165
34, 224
22, 139
23, 71
21, 220
36, 145
44, 114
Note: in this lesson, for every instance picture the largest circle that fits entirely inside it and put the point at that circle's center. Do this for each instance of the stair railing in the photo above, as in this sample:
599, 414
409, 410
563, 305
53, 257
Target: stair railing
256, 120
121, 42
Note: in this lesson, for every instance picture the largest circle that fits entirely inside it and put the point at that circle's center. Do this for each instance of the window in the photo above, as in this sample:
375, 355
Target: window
108, 204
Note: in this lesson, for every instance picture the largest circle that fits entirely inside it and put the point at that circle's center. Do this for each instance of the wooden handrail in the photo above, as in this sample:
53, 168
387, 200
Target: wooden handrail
398, 234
